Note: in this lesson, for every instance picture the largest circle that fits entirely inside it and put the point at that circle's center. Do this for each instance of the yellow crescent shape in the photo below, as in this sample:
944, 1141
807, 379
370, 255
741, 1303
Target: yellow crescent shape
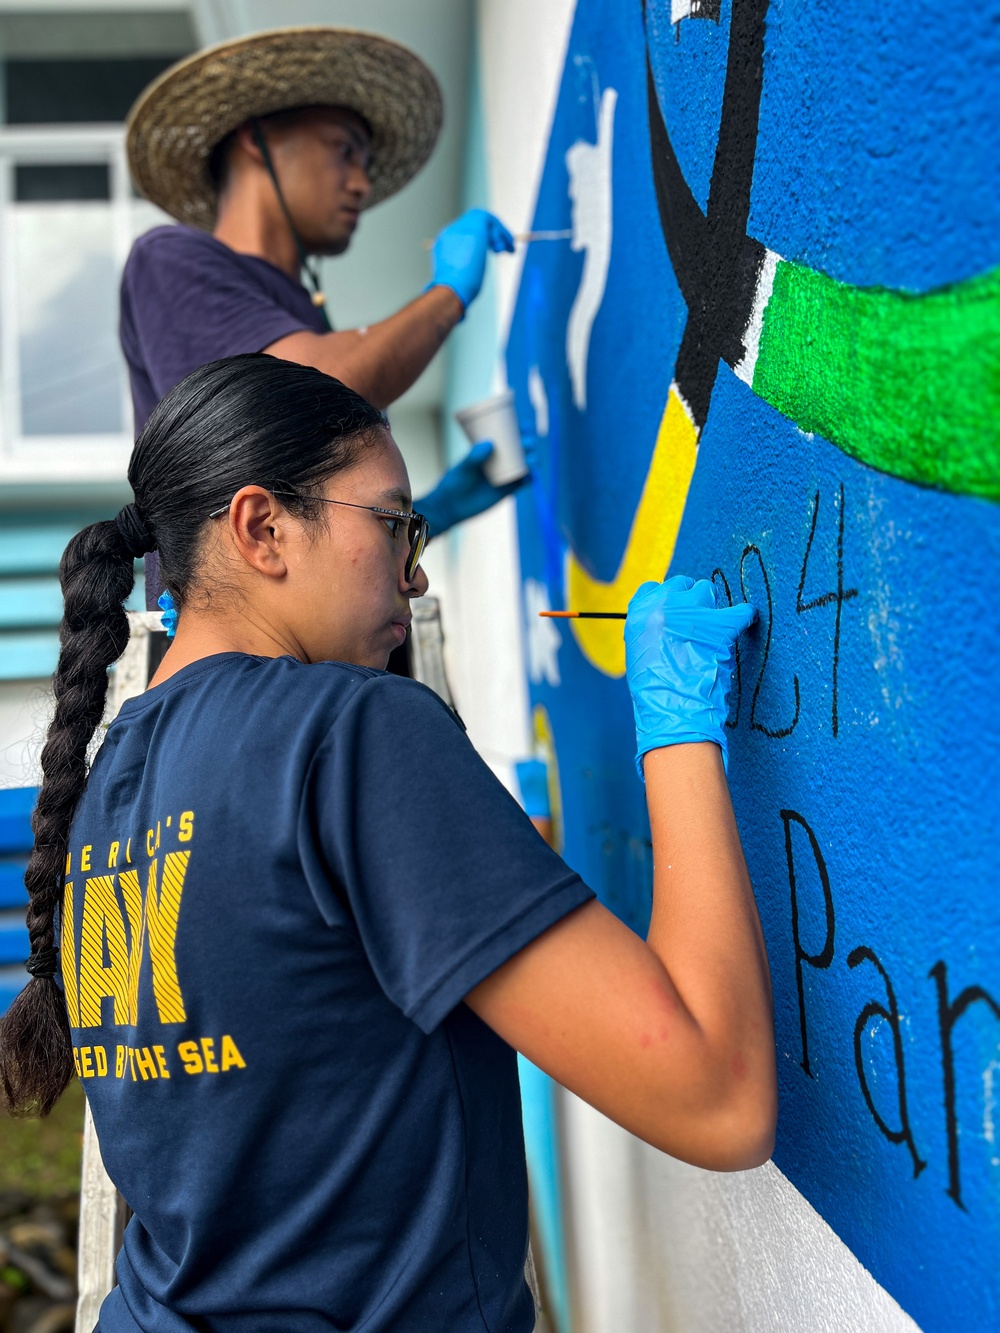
545, 747
651, 540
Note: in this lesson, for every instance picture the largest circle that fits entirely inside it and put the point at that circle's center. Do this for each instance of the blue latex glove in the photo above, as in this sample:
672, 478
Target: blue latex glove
463, 491
459, 253
533, 779
169, 618
679, 656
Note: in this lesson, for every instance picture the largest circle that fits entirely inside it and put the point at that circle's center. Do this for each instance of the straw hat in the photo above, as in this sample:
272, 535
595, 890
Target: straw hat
185, 113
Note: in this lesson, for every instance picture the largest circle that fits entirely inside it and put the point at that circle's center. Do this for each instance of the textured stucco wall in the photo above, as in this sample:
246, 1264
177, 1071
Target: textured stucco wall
663, 1247
767, 355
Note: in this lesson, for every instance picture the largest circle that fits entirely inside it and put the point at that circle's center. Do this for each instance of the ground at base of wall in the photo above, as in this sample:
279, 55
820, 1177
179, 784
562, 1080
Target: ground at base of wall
38, 1263
43, 1157
39, 1212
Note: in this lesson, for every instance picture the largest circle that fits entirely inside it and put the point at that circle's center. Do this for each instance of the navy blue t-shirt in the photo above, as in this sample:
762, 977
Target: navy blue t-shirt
283, 879
187, 299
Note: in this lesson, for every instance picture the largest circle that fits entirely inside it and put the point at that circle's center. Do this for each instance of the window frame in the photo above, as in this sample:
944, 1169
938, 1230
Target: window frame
56, 458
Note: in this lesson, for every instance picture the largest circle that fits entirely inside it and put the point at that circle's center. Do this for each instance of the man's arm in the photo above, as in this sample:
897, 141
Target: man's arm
380, 362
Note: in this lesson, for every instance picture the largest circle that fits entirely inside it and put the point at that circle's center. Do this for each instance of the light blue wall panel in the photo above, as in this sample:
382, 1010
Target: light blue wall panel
30, 597
29, 602
28, 655
35, 549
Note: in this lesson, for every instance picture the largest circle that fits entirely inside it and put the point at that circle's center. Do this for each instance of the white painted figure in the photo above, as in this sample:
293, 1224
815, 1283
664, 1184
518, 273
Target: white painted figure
589, 167
543, 639
539, 401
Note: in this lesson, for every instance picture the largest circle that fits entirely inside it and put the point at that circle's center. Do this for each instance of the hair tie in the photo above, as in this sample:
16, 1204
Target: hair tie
169, 608
134, 532
44, 963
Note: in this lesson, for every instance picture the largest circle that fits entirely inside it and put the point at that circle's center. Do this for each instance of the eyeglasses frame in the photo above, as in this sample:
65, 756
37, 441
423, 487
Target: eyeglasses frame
417, 543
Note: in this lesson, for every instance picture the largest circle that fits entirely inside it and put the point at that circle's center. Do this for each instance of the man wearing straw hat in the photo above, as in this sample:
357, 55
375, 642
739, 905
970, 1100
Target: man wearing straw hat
267, 149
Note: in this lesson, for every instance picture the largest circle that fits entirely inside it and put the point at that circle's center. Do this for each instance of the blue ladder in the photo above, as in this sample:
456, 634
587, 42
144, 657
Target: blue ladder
16, 805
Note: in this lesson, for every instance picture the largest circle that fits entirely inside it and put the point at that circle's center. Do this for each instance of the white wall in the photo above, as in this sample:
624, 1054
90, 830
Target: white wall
25, 709
655, 1246
519, 46
659, 1245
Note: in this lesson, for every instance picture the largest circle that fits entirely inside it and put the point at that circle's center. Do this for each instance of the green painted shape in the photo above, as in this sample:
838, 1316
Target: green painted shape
907, 383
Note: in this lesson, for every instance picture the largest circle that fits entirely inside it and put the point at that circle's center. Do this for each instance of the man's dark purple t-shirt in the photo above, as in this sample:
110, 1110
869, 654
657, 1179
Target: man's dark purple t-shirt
187, 299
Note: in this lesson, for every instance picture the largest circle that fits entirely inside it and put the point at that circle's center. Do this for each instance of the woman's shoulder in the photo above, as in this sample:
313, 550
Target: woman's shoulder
384, 692
233, 700
283, 687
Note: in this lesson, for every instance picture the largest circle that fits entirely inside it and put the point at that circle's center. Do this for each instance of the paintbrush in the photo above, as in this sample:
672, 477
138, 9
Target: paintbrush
584, 615
528, 236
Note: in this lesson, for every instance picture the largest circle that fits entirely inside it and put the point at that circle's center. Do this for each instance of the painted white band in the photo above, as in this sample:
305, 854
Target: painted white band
675, 390
751, 338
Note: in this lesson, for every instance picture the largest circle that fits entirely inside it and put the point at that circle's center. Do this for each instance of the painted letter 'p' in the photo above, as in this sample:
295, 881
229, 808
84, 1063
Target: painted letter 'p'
824, 957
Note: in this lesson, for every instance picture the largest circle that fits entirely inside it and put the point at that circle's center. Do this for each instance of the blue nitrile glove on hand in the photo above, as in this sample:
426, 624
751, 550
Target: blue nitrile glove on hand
533, 779
463, 491
679, 657
459, 253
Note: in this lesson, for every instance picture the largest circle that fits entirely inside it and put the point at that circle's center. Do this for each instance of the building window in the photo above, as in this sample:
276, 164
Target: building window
68, 216
71, 92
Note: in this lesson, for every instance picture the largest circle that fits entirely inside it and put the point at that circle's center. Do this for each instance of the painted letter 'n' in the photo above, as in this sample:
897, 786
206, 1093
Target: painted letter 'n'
949, 1012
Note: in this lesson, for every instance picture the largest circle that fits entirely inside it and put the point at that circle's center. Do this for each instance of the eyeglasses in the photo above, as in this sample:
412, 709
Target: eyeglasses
418, 529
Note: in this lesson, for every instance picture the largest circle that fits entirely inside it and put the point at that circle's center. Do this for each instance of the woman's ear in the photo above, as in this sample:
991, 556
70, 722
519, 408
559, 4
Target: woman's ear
259, 530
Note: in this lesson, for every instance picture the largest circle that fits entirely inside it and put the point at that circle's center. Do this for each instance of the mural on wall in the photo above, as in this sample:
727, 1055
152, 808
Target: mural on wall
770, 354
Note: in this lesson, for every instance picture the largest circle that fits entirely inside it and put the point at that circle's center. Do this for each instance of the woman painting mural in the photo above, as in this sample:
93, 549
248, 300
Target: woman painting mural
306, 927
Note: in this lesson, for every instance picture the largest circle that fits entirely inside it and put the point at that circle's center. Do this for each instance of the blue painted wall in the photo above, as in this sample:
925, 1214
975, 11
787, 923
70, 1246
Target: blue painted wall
864, 732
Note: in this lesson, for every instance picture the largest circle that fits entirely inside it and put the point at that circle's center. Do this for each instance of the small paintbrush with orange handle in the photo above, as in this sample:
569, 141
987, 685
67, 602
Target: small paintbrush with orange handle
584, 615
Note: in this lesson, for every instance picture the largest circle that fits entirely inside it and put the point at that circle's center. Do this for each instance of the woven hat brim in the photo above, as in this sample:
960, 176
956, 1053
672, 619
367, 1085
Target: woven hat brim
182, 116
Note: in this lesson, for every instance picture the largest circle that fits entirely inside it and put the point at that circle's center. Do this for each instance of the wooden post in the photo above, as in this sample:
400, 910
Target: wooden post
103, 1215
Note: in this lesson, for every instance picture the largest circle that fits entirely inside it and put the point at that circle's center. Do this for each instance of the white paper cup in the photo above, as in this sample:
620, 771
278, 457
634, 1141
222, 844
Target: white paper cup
495, 419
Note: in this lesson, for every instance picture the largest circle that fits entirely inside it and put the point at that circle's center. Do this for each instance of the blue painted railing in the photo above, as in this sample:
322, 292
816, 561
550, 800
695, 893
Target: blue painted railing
16, 805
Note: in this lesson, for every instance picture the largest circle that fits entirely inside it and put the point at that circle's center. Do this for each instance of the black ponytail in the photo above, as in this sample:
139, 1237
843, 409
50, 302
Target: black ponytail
36, 1061
248, 420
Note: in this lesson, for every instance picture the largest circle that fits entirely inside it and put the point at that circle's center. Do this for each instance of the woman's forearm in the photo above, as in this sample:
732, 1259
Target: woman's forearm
704, 927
